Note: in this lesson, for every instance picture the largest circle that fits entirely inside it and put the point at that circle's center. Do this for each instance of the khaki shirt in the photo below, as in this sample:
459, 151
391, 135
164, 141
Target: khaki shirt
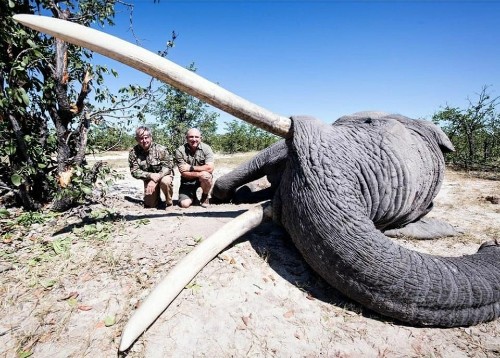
155, 160
201, 156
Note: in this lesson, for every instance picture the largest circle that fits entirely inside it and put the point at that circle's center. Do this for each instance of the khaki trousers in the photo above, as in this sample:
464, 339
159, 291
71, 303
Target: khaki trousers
166, 185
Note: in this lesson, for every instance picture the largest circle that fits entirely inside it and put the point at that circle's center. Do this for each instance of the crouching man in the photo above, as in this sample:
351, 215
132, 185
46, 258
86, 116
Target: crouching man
195, 161
152, 163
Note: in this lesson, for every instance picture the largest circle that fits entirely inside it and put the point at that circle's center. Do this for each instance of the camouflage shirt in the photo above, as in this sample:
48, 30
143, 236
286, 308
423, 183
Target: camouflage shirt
155, 160
201, 156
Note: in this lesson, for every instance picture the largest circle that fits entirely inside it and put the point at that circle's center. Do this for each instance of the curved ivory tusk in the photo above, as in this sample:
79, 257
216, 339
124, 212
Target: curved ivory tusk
160, 68
166, 291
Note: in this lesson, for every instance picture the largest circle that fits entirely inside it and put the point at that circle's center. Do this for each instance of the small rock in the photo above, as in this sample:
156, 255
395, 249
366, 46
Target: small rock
492, 199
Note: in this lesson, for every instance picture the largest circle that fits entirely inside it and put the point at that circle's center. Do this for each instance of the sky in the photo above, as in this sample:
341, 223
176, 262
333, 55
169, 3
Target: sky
327, 58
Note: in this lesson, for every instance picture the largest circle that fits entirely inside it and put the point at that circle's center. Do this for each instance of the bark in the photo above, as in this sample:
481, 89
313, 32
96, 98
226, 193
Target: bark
21, 144
63, 118
83, 136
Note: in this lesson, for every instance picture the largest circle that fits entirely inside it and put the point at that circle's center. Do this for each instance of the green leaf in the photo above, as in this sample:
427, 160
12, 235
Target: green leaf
31, 171
25, 98
24, 354
87, 190
16, 179
48, 283
60, 246
10, 149
12, 4
193, 286
4, 213
72, 302
109, 321
32, 262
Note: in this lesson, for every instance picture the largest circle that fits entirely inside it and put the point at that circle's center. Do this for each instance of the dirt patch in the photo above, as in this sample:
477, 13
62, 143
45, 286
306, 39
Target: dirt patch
69, 285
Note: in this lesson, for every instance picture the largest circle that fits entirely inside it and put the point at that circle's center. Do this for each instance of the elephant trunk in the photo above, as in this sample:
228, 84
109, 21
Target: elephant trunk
334, 225
269, 161
413, 287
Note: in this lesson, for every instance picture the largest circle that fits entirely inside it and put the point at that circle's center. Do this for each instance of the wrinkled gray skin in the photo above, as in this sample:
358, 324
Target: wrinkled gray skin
336, 187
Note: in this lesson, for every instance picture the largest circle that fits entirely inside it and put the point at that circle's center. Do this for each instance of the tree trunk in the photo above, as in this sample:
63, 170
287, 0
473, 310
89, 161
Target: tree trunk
63, 117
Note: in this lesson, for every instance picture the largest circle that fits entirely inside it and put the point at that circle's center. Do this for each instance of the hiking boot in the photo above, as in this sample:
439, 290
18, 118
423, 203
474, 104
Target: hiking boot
204, 202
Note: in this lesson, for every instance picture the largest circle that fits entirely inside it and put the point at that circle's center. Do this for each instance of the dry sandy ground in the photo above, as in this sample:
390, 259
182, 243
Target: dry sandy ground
256, 299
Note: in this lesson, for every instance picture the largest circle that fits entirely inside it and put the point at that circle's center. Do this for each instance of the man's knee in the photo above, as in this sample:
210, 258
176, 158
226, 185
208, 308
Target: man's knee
166, 180
205, 178
186, 203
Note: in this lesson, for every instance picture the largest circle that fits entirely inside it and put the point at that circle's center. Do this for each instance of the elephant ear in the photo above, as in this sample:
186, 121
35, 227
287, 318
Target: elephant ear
428, 130
443, 141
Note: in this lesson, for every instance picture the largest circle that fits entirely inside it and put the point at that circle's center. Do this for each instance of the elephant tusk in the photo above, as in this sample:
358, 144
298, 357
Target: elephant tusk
160, 68
168, 288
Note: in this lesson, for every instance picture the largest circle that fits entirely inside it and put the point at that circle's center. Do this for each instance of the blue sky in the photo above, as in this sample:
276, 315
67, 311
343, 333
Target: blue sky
328, 58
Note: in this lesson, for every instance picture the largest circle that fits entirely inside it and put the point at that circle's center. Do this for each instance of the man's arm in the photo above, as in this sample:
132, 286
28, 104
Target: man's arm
184, 168
197, 170
135, 169
167, 164
208, 167
209, 160
189, 171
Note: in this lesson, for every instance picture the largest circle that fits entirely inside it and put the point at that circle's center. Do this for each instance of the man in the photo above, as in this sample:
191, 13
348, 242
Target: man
195, 161
152, 163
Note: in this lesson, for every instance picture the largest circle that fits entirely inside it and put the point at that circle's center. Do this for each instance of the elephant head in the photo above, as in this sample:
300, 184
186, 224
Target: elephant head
342, 185
334, 188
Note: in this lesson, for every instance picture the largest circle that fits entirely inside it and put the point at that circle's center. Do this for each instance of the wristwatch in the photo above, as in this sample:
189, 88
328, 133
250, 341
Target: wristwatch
191, 169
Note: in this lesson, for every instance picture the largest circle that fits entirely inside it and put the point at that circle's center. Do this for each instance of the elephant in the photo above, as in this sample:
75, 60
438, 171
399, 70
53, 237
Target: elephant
336, 188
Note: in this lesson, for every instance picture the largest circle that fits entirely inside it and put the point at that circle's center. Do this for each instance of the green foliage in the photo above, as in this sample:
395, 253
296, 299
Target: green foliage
474, 131
22, 353
16, 226
105, 214
44, 104
29, 218
62, 246
4, 213
101, 226
242, 137
176, 112
104, 137
97, 231
81, 186
27, 100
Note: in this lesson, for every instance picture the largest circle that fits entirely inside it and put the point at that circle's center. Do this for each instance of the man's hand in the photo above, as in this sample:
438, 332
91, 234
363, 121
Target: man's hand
155, 177
205, 176
184, 167
150, 188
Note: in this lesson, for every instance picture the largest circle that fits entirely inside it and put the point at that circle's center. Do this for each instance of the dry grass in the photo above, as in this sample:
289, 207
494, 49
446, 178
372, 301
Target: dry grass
57, 291
38, 299
119, 160
115, 160
233, 160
